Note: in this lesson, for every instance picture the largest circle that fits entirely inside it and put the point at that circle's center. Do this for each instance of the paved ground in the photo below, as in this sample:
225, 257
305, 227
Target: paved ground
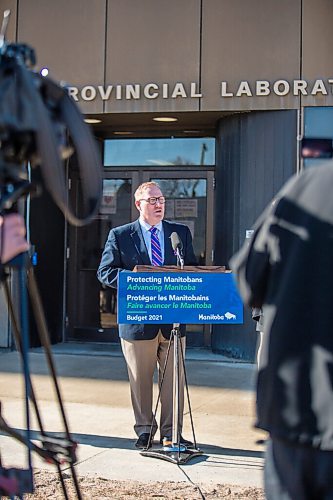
94, 386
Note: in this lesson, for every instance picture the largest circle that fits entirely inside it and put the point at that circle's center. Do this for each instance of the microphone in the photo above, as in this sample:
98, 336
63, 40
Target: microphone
177, 247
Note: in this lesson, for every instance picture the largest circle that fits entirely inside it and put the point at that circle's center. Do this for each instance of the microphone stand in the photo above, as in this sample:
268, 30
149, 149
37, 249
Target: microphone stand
180, 257
176, 369
175, 452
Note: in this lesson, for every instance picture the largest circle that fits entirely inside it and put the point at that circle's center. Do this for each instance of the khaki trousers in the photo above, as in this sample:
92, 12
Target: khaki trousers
141, 357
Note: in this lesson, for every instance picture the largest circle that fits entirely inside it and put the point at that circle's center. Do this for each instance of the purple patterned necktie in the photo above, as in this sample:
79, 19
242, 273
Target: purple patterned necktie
156, 252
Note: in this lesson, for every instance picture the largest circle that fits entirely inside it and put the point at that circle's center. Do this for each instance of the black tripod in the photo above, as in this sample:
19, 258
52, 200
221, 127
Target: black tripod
174, 452
59, 450
40, 125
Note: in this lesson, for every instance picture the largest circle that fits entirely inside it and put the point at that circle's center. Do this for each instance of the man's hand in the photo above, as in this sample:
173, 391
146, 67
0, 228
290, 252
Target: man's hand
13, 242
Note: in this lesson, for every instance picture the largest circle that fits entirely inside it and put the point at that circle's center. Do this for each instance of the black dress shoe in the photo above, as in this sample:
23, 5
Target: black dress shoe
143, 441
167, 441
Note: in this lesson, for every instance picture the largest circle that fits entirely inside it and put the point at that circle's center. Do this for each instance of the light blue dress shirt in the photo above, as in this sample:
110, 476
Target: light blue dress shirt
147, 235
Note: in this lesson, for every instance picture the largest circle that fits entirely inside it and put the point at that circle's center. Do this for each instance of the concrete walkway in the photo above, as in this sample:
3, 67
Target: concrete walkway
94, 386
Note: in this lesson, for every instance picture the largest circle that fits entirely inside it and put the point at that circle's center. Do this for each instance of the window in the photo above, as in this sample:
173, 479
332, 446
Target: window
159, 152
318, 124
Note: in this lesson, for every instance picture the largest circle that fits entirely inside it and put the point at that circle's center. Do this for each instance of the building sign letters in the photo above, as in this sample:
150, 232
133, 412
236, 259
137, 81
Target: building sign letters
260, 88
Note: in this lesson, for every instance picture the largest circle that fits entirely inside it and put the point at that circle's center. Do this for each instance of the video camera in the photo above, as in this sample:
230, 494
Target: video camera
40, 124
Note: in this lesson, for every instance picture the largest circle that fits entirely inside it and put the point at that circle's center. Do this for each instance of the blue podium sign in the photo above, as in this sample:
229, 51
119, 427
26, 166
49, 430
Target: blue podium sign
181, 297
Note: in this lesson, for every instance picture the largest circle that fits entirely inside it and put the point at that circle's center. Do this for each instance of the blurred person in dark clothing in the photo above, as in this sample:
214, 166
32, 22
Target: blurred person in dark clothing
288, 269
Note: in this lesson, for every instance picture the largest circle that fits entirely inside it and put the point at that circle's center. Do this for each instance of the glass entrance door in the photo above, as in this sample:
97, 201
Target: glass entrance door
91, 308
190, 201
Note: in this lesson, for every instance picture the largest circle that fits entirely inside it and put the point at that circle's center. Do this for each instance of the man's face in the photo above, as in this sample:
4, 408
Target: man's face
152, 214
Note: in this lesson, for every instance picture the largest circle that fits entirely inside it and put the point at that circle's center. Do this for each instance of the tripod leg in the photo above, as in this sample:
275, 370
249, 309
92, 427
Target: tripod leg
187, 393
161, 382
18, 342
22, 334
44, 336
176, 383
175, 452
176, 391
30, 391
25, 350
64, 489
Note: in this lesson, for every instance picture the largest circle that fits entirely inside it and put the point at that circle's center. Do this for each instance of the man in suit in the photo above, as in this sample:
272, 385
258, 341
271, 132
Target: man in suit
147, 241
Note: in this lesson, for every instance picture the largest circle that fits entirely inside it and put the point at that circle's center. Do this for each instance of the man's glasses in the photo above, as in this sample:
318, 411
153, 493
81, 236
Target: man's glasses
153, 200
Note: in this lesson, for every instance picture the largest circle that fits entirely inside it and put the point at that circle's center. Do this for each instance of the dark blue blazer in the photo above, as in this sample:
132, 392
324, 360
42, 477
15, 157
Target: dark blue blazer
124, 249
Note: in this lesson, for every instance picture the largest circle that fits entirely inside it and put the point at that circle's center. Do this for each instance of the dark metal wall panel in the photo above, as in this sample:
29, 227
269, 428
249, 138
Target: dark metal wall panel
47, 235
249, 41
69, 38
256, 154
227, 187
317, 48
153, 42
